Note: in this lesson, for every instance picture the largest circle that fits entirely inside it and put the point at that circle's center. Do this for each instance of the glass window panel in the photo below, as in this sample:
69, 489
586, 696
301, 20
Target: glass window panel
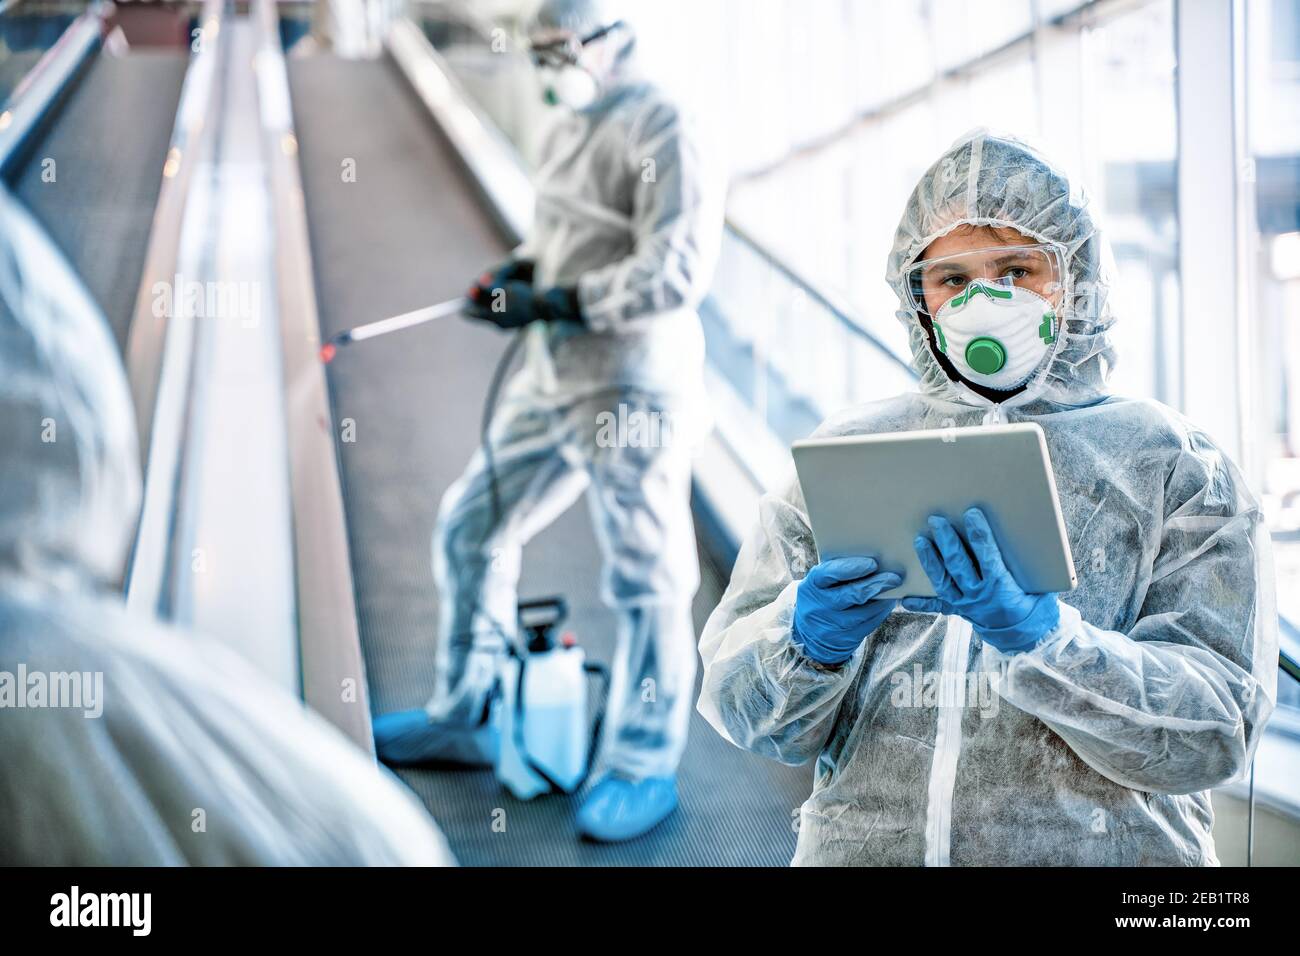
1273, 109
960, 31
1004, 97
1129, 163
898, 50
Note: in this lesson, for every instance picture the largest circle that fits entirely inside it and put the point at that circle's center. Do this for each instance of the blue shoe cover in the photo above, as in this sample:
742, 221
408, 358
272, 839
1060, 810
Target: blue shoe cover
409, 737
618, 809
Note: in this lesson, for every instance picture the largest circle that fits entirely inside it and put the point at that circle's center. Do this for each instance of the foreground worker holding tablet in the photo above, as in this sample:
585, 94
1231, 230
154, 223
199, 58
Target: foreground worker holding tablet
1123, 699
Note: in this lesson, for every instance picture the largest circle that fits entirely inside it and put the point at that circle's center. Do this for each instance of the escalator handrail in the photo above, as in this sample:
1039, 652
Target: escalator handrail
159, 350
1290, 634
491, 159
146, 338
29, 107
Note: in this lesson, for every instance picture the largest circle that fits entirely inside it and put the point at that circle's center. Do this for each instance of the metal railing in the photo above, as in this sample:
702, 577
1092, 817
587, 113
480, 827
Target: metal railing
160, 347
837, 307
45, 83
791, 349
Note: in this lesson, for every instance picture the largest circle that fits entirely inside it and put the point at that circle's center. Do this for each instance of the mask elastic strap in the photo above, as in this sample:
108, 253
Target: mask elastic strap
602, 32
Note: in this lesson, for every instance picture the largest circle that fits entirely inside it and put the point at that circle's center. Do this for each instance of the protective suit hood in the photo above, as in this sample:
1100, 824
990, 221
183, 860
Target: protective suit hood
988, 179
68, 451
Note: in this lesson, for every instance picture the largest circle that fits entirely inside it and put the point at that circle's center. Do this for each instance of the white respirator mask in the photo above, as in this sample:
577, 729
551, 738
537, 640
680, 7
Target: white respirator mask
568, 85
557, 55
996, 335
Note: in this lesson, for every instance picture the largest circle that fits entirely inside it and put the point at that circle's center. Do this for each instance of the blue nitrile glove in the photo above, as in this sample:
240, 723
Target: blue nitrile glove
835, 607
980, 590
515, 303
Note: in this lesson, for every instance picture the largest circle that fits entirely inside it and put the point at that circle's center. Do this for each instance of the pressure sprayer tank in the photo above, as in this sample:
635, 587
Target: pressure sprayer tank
543, 719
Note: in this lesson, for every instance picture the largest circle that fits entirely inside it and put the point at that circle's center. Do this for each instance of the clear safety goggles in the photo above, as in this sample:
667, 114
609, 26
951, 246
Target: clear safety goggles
559, 48
931, 283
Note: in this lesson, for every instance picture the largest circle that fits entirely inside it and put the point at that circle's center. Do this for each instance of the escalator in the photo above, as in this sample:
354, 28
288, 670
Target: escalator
395, 222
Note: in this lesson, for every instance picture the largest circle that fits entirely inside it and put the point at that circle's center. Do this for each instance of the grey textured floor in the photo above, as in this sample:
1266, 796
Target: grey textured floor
109, 141
409, 232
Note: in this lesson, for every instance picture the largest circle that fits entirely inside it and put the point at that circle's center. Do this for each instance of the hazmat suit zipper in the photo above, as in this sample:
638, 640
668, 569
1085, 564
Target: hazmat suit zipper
954, 659
947, 741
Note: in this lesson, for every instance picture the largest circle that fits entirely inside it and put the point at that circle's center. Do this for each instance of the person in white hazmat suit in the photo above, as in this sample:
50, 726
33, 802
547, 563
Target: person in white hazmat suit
625, 237
122, 741
1117, 706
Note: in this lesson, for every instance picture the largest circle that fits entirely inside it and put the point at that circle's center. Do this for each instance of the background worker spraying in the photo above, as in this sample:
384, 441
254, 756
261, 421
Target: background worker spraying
626, 233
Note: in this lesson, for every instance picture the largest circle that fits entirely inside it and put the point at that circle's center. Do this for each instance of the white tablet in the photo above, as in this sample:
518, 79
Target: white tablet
872, 494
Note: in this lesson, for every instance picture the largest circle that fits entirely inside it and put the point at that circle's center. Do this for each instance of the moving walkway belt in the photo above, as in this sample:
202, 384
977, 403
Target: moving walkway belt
108, 141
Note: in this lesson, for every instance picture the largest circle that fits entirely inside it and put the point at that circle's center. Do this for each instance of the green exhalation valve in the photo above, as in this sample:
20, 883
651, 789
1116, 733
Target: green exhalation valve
1045, 331
985, 355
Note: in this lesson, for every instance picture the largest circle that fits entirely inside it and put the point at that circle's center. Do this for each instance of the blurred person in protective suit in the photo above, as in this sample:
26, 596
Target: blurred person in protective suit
178, 752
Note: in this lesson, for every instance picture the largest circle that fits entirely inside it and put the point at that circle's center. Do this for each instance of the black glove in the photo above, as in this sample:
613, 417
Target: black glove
481, 290
514, 303
511, 269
